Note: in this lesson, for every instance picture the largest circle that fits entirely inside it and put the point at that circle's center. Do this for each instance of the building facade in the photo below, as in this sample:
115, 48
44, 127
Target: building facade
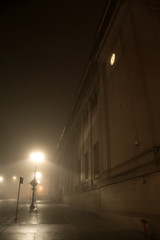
108, 159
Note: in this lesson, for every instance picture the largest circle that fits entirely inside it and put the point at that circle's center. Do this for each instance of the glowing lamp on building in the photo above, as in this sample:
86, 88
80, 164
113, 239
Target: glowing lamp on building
112, 59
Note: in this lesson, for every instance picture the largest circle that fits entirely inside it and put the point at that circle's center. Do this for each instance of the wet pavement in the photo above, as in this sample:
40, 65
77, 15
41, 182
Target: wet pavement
51, 221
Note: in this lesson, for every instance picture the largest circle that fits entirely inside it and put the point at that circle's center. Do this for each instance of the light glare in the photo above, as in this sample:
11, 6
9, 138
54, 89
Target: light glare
1, 179
40, 188
37, 157
38, 174
112, 59
38, 181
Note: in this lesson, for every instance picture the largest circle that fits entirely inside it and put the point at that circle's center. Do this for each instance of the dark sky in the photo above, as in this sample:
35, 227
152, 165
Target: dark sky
44, 48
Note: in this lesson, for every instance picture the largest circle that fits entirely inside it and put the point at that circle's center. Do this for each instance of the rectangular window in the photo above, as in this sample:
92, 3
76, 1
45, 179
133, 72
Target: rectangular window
79, 171
86, 165
96, 158
85, 117
94, 100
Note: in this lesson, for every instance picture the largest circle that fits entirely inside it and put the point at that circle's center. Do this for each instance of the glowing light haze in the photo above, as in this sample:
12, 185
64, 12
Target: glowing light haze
37, 157
1, 179
38, 175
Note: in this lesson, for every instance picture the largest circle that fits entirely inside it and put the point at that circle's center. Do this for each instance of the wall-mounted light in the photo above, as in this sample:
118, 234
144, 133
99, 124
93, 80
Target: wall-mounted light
136, 143
112, 59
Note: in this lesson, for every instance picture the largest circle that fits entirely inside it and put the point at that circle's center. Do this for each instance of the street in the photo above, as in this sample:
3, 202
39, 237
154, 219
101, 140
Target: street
50, 221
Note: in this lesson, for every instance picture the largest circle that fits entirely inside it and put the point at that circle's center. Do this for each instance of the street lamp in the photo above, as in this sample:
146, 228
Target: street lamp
37, 158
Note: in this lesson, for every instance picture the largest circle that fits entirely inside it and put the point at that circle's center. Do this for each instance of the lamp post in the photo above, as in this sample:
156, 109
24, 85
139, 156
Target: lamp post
36, 157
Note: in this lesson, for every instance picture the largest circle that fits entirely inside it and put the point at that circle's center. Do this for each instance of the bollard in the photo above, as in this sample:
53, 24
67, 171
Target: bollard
144, 223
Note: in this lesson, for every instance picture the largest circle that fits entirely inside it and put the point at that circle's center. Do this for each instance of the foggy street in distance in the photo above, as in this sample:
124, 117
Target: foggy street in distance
79, 120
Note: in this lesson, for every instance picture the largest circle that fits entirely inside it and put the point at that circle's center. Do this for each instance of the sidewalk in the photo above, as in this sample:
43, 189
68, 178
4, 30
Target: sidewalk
59, 222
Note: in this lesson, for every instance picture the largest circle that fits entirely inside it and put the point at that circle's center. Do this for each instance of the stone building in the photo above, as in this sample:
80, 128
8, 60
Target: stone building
108, 160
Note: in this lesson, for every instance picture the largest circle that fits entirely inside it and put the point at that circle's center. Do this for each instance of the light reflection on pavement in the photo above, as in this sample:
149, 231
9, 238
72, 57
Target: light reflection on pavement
59, 222
28, 226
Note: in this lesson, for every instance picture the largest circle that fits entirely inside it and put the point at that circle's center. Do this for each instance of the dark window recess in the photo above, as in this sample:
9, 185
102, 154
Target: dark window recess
78, 127
79, 171
85, 117
94, 100
86, 164
96, 158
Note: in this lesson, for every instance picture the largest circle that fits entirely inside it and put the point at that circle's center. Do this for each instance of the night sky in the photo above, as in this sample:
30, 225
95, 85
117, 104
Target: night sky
44, 49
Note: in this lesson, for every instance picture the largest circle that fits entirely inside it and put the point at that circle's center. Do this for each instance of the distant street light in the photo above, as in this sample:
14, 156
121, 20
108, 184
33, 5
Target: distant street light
38, 175
38, 181
14, 178
1, 179
37, 158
